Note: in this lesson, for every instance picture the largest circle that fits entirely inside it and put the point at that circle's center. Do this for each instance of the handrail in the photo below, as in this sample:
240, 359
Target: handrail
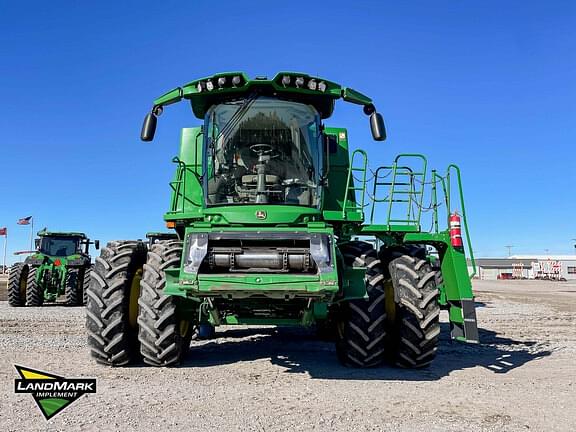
464, 218
351, 169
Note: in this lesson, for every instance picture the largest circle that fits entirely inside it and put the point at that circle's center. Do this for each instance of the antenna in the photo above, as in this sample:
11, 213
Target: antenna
509, 247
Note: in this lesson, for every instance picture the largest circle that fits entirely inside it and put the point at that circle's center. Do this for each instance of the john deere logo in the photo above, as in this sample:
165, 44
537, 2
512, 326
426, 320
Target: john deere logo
261, 214
52, 393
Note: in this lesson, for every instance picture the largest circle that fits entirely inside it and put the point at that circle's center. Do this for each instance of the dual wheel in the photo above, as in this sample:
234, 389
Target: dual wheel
128, 316
26, 288
398, 322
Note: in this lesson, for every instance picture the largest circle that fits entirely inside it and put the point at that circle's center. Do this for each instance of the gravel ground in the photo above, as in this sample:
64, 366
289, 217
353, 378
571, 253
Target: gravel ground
522, 376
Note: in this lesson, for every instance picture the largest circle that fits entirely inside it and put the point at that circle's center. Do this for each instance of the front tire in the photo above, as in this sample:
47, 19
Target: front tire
34, 290
72, 288
112, 305
17, 279
413, 310
361, 328
164, 336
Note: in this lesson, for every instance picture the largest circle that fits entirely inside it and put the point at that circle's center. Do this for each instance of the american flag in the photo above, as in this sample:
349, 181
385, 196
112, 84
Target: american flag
24, 221
3, 231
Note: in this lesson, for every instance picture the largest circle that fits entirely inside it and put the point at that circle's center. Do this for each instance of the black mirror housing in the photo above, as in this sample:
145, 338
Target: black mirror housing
149, 127
377, 127
97, 244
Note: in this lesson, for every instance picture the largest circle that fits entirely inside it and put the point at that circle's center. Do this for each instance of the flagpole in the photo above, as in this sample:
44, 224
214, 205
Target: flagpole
31, 233
5, 243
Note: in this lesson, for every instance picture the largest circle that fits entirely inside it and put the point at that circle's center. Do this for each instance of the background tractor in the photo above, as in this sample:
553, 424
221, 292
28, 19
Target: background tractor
277, 222
61, 265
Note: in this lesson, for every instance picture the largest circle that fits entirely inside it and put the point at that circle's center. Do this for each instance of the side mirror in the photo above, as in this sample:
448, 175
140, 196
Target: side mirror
149, 127
37, 243
377, 127
97, 244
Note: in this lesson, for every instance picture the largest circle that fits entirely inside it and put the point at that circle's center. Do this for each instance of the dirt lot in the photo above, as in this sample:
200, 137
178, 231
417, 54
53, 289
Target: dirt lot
522, 377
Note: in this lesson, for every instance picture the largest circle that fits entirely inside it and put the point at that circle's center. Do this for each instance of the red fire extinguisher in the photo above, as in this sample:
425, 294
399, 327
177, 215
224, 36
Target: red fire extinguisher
455, 230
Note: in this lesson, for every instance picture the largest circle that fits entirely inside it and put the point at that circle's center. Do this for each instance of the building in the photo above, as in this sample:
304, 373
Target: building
556, 267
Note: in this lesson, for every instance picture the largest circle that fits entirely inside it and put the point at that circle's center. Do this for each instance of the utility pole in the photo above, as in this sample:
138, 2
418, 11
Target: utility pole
509, 247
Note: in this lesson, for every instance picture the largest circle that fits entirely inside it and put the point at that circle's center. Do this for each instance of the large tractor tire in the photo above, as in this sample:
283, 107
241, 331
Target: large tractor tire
34, 290
73, 288
164, 335
112, 307
361, 328
17, 280
412, 307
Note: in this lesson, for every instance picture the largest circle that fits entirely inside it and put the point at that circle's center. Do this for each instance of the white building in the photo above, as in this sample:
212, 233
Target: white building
559, 267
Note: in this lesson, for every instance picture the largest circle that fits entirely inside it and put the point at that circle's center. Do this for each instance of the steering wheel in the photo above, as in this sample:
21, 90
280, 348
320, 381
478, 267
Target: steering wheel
262, 149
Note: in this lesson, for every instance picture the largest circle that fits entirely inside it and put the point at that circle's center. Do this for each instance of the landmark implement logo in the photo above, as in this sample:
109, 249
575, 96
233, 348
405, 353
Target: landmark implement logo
52, 393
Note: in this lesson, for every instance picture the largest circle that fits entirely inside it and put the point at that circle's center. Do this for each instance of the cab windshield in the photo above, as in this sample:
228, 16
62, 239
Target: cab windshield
59, 246
263, 151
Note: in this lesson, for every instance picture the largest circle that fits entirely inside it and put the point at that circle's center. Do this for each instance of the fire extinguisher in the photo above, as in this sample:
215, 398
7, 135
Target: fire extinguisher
455, 230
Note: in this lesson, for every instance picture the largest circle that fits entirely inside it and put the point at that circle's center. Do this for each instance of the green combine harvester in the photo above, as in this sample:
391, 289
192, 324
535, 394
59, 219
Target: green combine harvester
276, 221
60, 266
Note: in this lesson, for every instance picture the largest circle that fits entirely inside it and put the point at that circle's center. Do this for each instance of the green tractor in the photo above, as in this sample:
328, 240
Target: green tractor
276, 221
61, 265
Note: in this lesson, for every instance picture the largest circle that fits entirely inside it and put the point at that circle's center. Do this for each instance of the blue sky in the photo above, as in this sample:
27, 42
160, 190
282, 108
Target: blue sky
488, 85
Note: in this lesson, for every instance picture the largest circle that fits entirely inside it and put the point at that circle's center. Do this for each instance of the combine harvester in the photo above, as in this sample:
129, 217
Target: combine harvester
268, 205
60, 266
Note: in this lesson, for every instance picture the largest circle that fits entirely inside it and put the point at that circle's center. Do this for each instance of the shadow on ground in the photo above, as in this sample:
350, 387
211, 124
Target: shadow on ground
300, 351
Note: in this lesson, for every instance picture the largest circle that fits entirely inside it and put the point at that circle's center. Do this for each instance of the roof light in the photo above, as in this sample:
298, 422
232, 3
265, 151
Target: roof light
235, 80
322, 86
209, 85
286, 80
200, 86
312, 84
299, 82
221, 81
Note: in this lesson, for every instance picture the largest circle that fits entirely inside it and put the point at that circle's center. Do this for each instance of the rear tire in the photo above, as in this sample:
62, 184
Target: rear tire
112, 306
361, 327
413, 309
17, 280
34, 290
164, 336
72, 289
86, 278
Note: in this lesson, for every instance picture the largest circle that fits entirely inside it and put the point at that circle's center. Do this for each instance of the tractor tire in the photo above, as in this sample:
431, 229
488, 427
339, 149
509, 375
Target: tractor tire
73, 288
17, 279
164, 336
361, 329
34, 290
86, 278
112, 306
413, 323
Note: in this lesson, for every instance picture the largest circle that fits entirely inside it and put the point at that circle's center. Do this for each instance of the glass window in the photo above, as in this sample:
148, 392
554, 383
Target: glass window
263, 151
59, 246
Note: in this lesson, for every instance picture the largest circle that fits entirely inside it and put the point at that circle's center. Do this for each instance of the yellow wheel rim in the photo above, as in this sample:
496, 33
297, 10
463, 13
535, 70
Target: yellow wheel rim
184, 327
390, 304
133, 300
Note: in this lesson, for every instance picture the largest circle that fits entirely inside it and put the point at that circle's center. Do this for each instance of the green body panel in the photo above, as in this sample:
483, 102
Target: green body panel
386, 204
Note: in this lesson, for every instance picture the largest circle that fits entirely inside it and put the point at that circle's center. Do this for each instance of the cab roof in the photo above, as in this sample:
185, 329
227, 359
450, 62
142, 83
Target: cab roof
318, 92
45, 233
